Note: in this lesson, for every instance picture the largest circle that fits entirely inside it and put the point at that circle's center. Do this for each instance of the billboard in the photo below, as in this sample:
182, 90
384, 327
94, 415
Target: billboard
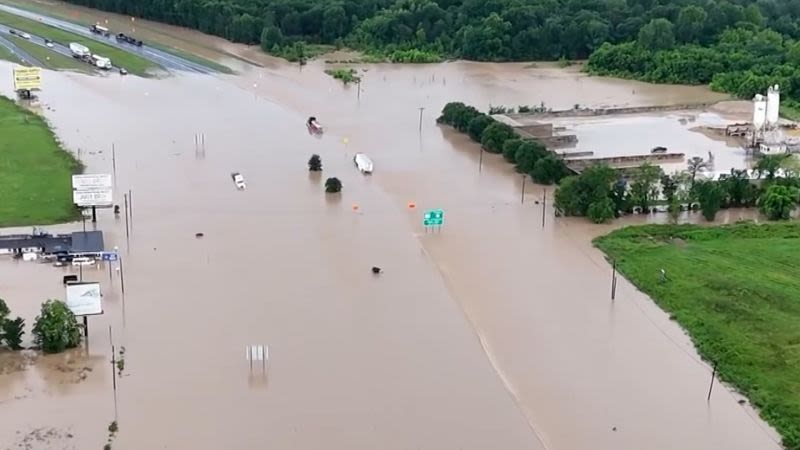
92, 190
84, 299
27, 78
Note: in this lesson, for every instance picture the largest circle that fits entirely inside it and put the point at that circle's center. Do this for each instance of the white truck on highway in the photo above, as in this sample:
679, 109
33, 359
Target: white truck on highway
101, 62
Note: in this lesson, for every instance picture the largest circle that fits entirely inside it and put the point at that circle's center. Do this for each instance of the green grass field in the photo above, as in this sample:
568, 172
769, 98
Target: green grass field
35, 173
736, 290
134, 64
49, 58
6, 54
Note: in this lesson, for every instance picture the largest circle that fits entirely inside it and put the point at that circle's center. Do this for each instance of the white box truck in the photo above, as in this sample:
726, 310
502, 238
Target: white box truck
79, 51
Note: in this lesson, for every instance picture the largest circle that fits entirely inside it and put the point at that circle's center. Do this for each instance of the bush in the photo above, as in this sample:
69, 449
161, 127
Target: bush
56, 328
346, 75
333, 185
315, 163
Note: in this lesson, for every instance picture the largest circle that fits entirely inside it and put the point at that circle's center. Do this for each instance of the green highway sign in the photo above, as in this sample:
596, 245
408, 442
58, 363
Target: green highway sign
433, 218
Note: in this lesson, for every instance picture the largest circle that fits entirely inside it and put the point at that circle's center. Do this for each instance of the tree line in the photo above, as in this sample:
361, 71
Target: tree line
528, 156
486, 30
601, 193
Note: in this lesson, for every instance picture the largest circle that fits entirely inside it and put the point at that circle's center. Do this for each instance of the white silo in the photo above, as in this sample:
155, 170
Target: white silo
773, 105
759, 111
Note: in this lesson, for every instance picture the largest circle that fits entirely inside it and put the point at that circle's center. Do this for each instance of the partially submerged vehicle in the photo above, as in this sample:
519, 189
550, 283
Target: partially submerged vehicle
238, 180
363, 163
313, 126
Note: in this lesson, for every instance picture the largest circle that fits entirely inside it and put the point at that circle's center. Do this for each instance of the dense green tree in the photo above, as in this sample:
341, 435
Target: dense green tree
644, 189
778, 202
691, 23
548, 170
528, 153
711, 195
477, 125
510, 148
56, 328
495, 136
575, 194
659, 34
601, 210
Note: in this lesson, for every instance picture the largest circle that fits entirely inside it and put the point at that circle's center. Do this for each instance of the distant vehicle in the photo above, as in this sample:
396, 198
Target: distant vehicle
121, 37
25, 35
363, 163
12, 31
101, 61
238, 180
97, 29
48, 43
82, 261
79, 51
123, 71
313, 126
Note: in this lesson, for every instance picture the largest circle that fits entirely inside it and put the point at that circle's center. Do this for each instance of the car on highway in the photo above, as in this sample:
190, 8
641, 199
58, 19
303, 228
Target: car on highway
238, 180
25, 35
48, 43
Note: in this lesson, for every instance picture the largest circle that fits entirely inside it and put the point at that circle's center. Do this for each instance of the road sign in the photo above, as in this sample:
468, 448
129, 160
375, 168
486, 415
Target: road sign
109, 256
27, 78
92, 190
433, 218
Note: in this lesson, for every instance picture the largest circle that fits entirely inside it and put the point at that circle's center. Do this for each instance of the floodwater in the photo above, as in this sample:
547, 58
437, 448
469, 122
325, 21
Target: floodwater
493, 333
601, 135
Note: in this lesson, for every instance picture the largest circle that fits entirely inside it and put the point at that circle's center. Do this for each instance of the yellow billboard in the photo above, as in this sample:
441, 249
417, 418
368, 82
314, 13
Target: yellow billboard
27, 78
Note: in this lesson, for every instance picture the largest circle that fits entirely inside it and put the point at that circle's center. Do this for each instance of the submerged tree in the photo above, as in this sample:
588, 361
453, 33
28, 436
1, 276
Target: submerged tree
694, 165
13, 331
710, 194
333, 185
315, 163
56, 328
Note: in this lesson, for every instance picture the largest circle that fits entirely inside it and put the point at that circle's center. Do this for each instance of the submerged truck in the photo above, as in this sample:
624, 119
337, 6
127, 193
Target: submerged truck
79, 51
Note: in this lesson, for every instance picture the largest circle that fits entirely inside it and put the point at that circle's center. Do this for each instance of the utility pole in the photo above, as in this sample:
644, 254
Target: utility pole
544, 205
713, 375
480, 161
524, 176
420, 118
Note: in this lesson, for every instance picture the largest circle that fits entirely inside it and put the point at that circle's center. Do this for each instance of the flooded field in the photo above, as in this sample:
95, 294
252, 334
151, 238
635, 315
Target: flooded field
494, 333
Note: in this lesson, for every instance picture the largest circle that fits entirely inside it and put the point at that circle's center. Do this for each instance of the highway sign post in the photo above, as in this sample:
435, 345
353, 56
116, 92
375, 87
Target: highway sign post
433, 219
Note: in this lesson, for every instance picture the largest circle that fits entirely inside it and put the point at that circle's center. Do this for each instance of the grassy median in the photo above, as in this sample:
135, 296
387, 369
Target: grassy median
49, 58
120, 58
736, 290
6, 55
35, 172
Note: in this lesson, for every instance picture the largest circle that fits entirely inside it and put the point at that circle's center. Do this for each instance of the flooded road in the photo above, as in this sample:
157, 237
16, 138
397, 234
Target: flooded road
494, 333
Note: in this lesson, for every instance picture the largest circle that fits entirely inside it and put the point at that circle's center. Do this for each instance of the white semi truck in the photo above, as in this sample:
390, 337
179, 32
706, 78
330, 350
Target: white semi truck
102, 62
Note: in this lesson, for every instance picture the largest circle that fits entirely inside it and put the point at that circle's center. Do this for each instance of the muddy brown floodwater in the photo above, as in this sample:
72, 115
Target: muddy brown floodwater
493, 333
